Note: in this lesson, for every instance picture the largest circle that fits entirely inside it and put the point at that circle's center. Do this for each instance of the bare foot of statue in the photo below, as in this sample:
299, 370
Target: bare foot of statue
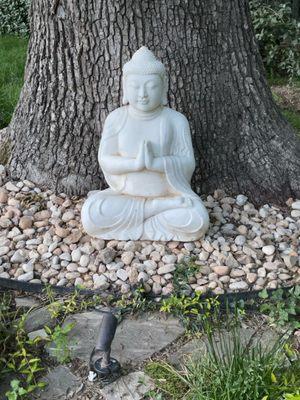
156, 206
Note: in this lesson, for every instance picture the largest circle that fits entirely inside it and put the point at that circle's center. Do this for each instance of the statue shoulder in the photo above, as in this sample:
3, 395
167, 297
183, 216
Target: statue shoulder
177, 119
115, 120
116, 115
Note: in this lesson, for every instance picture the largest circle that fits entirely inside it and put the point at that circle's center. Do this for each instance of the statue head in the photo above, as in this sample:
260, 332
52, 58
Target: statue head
144, 81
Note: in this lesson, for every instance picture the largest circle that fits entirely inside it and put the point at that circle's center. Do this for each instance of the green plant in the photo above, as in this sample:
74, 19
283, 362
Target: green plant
60, 339
194, 311
294, 119
278, 35
282, 308
167, 379
60, 308
136, 301
16, 391
154, 395
230, 369
14, 17
18, 354
295, 396
184, 270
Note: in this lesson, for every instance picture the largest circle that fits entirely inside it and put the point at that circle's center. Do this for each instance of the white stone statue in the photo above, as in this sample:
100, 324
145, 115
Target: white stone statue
147, 158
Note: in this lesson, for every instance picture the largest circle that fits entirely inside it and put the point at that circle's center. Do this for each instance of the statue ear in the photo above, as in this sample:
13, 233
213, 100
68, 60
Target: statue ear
165, 91
124, 100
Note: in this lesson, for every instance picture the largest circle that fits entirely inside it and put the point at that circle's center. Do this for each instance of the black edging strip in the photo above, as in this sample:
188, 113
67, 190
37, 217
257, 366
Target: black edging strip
39, 287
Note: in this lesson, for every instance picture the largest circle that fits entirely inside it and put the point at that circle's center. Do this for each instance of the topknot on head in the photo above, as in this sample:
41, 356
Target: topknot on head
144, 62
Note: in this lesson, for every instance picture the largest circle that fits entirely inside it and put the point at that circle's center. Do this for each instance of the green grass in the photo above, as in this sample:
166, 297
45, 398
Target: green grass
294, 118
12, 62
236, 371
291, 115
283, 80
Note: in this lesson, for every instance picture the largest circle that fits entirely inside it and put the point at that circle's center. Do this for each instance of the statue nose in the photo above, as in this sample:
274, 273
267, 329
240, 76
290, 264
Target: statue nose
143, 93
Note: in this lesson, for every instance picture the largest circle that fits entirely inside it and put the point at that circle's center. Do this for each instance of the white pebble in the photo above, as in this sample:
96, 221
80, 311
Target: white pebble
296, 205
122, 274
4, 250
241, 200
268, 250
75, 255
240, 240
26, 277
241, 285
84, 260
166, 269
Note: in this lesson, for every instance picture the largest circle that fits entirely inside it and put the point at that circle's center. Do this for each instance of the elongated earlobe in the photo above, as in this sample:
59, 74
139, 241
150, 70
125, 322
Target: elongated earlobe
124, 100
165, 91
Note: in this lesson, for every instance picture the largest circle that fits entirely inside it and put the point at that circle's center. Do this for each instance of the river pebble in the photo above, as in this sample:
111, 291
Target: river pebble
245, 248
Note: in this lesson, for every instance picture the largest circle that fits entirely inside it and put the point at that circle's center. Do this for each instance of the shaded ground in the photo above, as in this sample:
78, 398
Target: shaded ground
142, 338
288, 98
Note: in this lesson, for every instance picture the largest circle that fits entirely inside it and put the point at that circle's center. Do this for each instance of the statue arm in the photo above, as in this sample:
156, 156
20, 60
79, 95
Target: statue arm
113, 163
109, 157
158, 163
181, 149
117, 165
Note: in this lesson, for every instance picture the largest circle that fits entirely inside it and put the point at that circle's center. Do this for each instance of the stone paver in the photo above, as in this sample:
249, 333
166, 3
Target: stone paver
129, 387
196, 348
60, 382
37, 319
39, 333
26, 302
135, 340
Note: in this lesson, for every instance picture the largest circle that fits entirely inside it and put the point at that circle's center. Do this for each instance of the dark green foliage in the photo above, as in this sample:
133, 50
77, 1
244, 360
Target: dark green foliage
14, 17
294, 119
19, 355
278, 35
282, 308
59, 336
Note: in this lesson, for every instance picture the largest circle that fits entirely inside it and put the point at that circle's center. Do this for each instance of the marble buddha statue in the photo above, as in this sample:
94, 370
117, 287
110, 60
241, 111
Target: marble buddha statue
147, 158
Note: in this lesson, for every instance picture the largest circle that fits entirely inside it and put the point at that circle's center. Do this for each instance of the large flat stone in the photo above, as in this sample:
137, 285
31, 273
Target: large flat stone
196, 348
129, 387
83, 336
26, 302
60, 381
37, 319
135, 340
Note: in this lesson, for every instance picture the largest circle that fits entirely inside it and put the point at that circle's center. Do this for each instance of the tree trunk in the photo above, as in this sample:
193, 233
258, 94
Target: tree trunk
296, 9
76, 52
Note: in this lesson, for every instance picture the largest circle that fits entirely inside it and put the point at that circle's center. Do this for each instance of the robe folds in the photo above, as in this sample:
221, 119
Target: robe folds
126, 219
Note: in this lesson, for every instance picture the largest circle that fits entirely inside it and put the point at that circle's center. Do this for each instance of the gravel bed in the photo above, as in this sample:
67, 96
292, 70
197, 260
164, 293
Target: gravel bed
41, 240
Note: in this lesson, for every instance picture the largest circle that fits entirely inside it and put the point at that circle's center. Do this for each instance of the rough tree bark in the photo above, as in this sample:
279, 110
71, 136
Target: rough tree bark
296, 9
73, 76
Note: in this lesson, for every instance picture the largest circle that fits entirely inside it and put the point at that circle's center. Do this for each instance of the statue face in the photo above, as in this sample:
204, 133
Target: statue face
144, 92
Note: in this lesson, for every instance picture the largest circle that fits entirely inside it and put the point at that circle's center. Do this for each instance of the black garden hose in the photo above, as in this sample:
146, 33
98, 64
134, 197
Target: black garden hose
226, 298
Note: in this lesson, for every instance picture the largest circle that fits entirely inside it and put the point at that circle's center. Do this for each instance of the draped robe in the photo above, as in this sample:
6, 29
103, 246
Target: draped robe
126, 219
